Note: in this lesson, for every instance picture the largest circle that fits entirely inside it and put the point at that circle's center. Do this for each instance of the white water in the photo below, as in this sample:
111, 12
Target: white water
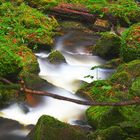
66, 79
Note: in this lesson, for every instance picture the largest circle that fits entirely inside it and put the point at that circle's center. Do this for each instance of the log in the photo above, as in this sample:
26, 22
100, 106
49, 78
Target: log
87, 103
73, 12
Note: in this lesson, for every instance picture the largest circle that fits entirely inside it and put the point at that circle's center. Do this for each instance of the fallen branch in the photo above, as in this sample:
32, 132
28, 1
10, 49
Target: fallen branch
4, 80
87, 103
73, 12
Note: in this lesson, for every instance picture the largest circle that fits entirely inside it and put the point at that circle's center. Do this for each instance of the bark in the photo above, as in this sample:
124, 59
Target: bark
80, 13
73, 12
87, 103
4, 80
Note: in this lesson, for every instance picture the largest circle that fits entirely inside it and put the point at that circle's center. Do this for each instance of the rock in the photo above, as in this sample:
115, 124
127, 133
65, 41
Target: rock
7, 95
111, 133
98, 116
73, 25
112, 64
126, 73
30, 70
56, 57
135, 88
107, 46
130, 48
101, 25
49, 128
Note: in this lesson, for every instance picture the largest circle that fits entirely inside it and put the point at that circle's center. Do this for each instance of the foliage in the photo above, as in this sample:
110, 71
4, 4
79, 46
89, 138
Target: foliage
130, 49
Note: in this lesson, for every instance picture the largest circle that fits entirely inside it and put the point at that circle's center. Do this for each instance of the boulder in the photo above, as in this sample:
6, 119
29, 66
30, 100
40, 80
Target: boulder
130, 48
107, 46
104, 117
56, 57
101, 25
111, 133
49, 128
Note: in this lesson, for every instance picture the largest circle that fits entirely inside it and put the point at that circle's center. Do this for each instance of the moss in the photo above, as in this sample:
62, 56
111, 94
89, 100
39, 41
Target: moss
132, 68
7, 95
25, 25
10, 62
107, 46
49, 128
135, 88
123, 78
130, 49
111, 133
112, 64
56, 57
104, 117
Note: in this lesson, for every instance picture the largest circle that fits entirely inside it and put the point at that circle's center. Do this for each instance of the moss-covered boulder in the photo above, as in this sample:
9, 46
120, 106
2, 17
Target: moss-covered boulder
7, 95
126, 73
56, 57
130, 48
49, 128
101, 25
123, 85
111, 133
107, 46
104, 117
25, 25
135, 88
30, 70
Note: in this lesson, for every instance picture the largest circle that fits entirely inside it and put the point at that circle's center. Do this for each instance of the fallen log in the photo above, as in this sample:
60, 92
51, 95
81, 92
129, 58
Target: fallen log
73, 12
87, 103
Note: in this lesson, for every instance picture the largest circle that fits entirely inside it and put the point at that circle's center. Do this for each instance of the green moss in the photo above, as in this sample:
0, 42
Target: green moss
107, 46
56, 57
123, 78
130, 49
8, 93
135, 88
111, 133
25, 25
112, 64
10, 62
48, 128
104, 117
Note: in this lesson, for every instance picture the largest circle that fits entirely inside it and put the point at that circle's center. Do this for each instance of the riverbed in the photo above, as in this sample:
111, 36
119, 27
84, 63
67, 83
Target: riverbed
63, 79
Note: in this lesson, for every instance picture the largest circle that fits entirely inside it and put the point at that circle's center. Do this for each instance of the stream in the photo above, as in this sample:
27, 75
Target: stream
62, 79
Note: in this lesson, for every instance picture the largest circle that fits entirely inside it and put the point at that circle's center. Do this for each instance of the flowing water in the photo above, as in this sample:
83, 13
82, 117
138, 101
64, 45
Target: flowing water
65, 79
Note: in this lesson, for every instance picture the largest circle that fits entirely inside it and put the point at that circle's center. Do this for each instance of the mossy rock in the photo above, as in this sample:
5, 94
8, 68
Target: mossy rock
30, 26
104, 117
10, 61
127, 72
123, 78
111, 133
56, 57
107, 46
112, 64
130, 48
135, 88
49, 128
7, 94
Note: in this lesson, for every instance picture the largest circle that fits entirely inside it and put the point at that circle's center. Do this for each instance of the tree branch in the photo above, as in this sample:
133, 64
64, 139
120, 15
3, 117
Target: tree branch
87, 103
5, 80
